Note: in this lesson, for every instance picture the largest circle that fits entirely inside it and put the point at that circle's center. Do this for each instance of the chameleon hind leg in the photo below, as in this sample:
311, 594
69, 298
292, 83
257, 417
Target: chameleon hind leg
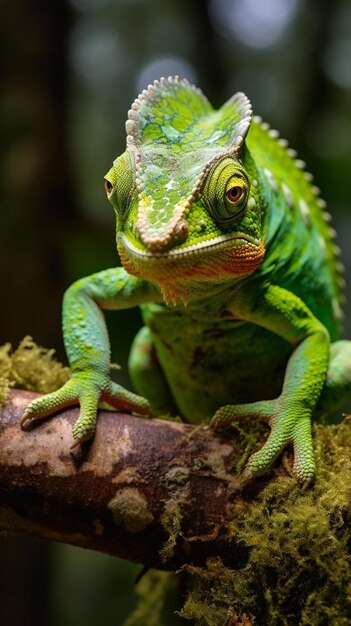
146, 374
337, 388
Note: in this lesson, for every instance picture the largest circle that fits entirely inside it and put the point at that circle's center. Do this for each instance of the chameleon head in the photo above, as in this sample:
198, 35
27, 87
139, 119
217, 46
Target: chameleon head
185, 191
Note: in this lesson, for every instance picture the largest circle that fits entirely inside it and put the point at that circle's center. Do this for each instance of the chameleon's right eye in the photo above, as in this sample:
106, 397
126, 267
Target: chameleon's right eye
108, 186
120, 186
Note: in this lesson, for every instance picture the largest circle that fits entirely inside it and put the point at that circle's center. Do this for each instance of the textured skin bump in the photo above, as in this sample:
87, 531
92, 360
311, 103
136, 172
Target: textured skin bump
228, 250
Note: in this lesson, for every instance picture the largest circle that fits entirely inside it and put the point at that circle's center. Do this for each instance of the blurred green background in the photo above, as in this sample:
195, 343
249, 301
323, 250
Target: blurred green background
69, 72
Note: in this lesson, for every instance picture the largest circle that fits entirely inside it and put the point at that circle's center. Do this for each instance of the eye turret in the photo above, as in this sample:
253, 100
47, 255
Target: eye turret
226, 191
119, 185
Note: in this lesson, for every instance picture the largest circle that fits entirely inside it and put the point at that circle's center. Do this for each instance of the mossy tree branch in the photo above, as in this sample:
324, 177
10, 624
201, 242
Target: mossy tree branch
166, 494
152, 491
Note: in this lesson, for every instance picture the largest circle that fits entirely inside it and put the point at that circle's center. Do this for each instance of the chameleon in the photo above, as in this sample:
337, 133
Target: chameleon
227, 248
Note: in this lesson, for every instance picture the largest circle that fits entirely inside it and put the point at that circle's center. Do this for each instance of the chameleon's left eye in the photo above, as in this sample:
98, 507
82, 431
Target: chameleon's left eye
226, 191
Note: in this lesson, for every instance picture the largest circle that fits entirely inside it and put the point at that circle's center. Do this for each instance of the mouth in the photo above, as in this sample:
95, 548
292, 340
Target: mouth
219, 243
184, 272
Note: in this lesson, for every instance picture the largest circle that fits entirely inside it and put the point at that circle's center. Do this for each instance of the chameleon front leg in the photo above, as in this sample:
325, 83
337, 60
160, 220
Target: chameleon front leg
289, 415
88, 350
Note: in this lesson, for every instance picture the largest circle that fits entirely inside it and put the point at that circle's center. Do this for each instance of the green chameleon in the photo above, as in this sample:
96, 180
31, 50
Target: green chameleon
227, 249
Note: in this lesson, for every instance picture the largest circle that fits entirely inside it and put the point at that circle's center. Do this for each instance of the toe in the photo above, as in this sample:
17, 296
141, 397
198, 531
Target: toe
84, 426
125, 400
50, 403
304, 465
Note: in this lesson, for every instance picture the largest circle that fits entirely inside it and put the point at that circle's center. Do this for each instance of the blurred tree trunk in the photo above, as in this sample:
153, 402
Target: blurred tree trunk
208, 58
34, 169
35, 190
319, 93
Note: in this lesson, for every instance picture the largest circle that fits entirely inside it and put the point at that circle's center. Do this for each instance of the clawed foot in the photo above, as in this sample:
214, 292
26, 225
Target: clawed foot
80, 389
290, 424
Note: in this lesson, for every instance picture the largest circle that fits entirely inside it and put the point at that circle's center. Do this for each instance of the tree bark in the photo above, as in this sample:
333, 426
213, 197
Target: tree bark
151, 491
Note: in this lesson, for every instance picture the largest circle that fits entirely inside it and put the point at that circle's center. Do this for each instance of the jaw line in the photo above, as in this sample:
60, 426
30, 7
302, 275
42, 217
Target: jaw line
222, 241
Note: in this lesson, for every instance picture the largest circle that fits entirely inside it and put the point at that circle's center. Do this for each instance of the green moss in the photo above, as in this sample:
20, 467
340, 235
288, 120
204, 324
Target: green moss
249, 434
159, 598
295, 564
30, 367
211, 601
5, 371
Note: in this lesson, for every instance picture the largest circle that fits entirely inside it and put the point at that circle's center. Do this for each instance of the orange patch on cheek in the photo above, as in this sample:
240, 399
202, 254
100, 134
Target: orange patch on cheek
242, 260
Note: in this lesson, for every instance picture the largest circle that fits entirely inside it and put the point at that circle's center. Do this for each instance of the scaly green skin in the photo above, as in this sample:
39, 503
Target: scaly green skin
227, 249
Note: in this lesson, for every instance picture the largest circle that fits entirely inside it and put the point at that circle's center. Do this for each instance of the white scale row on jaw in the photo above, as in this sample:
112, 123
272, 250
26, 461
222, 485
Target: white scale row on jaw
236, 239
